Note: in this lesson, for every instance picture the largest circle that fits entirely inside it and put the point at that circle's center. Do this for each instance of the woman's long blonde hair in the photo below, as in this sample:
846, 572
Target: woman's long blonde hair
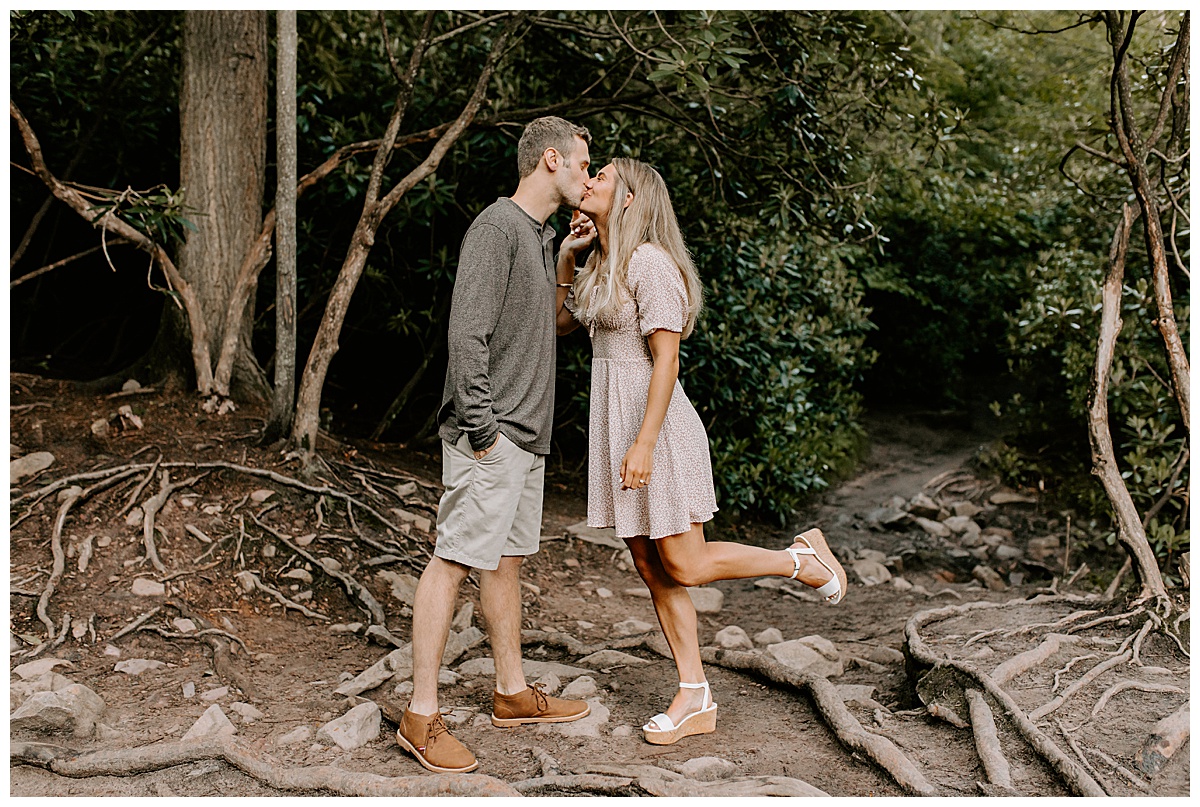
601, 286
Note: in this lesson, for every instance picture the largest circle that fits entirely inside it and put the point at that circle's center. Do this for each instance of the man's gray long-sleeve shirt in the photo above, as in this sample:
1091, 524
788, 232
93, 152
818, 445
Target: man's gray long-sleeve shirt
502, 333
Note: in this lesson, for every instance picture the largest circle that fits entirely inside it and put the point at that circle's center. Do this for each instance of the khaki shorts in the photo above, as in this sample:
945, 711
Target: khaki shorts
492, 507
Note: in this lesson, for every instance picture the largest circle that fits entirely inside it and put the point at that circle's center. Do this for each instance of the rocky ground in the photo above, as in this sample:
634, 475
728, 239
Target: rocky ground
246, 633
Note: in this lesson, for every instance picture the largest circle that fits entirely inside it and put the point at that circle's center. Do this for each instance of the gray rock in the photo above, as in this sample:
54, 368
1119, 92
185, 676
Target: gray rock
459, 715
602, 659
298, 574
354, 729
215, 694
137, 666
849, 692
1008, 497
968, 509
212, 723
631, 627
249, 713
971, 538
349, 627
36, 669
184, 625
988, 576
403, 689
464, 617
532, 669
420, 522
406, 488
448, 677
707, 769
329, 564
73, 709
189, 690
603, 536
733, 638
822, 645
901, 584
886, 516
550, 683
458, 643
301, 734
934, 528
130, 385
768, 636
604, 593
20, 691
1042, 548
397, 662
643, 592
29, 465
706, 600
587, 727
923, 507
871, 572
885, 655
872, 554
959, 524
800, 656
581, 688
1006, 552
404, 586
145, 587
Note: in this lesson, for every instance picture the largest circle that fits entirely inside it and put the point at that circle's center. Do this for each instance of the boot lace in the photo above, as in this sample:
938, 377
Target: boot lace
543, 702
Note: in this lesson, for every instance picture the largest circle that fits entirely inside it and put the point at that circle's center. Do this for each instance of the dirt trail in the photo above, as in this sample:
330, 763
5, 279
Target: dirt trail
578, 587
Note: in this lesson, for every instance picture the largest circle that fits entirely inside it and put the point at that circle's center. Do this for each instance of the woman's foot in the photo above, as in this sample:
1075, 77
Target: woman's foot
817, 567
691, 712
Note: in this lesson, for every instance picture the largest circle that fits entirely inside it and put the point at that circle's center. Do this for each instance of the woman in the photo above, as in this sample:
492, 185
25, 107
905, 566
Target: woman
649, 473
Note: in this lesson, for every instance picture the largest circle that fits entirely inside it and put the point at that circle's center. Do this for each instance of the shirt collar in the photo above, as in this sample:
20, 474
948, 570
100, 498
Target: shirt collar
544, 230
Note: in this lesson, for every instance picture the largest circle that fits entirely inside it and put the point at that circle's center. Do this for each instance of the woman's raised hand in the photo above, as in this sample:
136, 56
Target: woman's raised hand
580, 236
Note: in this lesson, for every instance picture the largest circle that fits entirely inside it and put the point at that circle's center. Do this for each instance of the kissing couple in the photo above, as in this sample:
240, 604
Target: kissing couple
649, 473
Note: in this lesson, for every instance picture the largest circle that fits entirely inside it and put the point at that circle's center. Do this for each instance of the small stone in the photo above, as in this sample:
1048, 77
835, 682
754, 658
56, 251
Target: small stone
301, 734
584, 624
130, 385
550, 683
350, 627
998, 535
604, 593
604, 536
145, 587
36, 669
885, 655
849, 692
448, 677
934, 528
103, 541
1042, 548
631, 627
924, 507
464, 617
189, 690
571, 563
249, 713
29, 465
420, 522
68, 493
706, 600
885, 516
134, 517
967, 509
268, 550
137, 666
298, 574
901, 584
459, 715
215, 694
459, 642
403, 585
329, 564
261, 495
405, 489
603, 659
79, 627
733, 638
184, 625
112, 650
871, 572
822, 645
581, 688
587, 727
403, 689
1006, 552
643, 593
958, 524
988, 576
800, 656
707, 769
245, 581
768, 636
872, 554
1008, 497
212, 723
535, 589
354, 729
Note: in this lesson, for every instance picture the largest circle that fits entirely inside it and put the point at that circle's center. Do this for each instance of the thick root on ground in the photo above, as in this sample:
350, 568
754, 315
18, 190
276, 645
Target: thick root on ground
127, 762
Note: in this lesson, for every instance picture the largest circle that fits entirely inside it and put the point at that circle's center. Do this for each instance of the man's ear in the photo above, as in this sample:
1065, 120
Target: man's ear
553, 159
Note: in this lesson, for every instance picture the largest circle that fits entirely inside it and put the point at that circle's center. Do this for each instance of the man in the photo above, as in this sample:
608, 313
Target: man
495, 420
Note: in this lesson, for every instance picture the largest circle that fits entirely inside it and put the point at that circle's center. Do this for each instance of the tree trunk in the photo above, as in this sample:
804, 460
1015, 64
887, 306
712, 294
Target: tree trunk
283, 400
308, 402
223, 126
1104, 462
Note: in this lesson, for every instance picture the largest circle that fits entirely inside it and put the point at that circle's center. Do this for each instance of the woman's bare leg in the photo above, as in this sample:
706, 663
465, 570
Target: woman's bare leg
677, 616
689, 560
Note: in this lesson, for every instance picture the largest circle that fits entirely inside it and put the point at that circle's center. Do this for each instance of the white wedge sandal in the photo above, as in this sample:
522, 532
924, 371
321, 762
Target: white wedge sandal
661, 730
814, 545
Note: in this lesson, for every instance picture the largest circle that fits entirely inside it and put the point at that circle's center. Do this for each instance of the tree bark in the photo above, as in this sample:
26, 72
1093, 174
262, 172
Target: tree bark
1135, 150
223, 129
304, 430
1104, 462
283, 399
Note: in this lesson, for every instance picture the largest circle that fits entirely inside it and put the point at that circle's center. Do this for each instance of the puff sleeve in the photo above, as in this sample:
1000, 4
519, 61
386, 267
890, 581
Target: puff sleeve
658, 289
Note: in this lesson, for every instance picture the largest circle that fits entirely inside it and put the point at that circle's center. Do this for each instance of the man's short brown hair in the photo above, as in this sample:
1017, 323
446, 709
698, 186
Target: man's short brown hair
545, 133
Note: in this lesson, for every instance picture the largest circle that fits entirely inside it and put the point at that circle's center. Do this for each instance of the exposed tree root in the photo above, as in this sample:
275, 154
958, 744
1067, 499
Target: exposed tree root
829, 705
1167, 737
252, 579
1134, 779
577, 783
135, 624
1061, 672
150, 511
987, 742
1091, 675
126, 762
1121, 686
222, 664
137, 492
1075, 776
1010, 669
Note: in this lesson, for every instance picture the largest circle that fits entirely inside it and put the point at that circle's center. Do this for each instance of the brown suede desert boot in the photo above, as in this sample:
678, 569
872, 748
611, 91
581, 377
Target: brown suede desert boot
535, 706
427, 738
